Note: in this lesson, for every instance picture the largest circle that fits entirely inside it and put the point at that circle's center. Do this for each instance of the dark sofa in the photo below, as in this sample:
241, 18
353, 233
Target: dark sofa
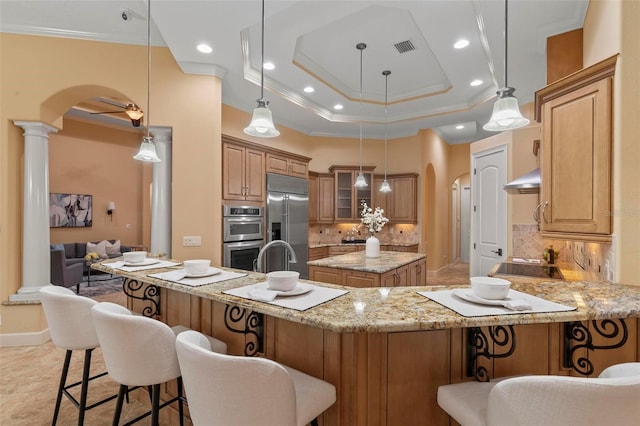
74, 254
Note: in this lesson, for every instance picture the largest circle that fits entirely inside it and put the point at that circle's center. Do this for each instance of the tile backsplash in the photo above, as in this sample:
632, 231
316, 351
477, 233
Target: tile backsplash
598, 258
390, 234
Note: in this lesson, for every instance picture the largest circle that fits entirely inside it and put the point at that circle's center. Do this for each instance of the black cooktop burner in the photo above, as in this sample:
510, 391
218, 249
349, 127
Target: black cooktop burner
539, 271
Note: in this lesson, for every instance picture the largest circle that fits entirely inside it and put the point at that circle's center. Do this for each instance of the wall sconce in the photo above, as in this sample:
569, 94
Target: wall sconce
111, 206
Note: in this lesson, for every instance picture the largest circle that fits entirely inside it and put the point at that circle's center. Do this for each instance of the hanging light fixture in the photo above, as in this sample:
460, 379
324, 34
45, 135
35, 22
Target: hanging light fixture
147, 150
262, 122
506, 113
385, 187
361, 182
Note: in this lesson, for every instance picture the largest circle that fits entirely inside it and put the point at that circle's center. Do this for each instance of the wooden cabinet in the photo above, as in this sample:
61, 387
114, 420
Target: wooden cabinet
287, 165
316, 253
326, 188
575, 192
313, 197
399, 205
407, 249
245, 164
321, 192
243, 173
411, 274
348, 199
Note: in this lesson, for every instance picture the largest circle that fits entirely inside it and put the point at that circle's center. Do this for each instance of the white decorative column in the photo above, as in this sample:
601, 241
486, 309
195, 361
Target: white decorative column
36, 261
161, 193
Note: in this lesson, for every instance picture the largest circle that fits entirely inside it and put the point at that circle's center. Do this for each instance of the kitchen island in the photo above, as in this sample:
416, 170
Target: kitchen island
388, 362
391, 269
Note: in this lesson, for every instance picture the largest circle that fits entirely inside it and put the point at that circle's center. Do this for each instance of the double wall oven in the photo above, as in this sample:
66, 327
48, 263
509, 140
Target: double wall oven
243, 234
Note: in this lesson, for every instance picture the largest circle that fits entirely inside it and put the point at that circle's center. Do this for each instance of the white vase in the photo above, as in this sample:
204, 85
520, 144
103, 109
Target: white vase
373, 247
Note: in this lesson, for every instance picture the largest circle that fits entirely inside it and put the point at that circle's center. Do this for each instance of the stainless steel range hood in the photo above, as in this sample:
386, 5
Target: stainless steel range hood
526, 184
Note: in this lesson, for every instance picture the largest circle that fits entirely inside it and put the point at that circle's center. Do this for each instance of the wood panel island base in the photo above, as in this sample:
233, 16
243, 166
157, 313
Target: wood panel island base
391, 269
388, 361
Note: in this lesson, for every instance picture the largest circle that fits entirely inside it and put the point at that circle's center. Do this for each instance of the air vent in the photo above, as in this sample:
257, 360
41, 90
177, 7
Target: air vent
405, 46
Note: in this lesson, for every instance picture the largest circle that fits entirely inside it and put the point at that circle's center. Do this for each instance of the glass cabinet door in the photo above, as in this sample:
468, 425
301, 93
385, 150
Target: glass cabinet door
363, 194
344, 195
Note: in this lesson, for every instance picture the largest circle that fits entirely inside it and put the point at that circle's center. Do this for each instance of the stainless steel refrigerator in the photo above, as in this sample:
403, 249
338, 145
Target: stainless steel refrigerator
288, 220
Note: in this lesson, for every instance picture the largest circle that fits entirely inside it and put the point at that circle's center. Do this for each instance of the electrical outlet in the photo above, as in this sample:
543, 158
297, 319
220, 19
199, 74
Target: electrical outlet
191, 241
128, 226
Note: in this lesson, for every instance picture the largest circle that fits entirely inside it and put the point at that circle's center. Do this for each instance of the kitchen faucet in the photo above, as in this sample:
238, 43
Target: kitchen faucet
257, 263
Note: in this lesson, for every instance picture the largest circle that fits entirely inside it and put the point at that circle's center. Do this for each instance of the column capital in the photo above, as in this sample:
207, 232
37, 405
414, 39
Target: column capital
36, 128
161, 133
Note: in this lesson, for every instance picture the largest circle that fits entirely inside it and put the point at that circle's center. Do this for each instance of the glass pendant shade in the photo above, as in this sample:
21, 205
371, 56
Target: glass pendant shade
385, 187
361, 182
506, 113
147, 151
261, 122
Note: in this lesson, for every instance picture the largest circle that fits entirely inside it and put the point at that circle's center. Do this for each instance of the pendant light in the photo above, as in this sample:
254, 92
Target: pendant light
360, 180
262, 122
385, 187
147, 150
506, 113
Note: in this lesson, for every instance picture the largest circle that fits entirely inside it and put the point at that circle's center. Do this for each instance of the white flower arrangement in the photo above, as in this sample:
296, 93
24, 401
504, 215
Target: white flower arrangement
372, 219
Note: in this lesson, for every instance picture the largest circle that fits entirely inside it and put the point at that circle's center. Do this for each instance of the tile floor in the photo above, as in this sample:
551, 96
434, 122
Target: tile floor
29, 377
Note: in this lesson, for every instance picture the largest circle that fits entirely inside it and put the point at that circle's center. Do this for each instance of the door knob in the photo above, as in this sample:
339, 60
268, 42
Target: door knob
498, 252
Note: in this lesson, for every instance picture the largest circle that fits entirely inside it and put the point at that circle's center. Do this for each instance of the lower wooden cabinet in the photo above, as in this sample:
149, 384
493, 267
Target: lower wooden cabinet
412, 274
316, 253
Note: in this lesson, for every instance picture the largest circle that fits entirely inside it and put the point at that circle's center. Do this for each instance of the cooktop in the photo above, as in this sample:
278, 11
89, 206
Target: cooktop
538, 271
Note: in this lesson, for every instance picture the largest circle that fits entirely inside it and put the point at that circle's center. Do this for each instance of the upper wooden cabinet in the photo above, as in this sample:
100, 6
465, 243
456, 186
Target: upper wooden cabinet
287, 165
321, 190
348, 199
244, 165
243, 175
400, 205
576, 115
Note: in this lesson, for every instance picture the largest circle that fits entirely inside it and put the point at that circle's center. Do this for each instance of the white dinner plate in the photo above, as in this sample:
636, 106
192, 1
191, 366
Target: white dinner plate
301, 288
211, 271
148, 261
469, 296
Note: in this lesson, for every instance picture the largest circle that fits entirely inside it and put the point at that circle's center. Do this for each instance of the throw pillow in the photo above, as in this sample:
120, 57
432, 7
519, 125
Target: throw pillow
113, 249
57, 246
100, 248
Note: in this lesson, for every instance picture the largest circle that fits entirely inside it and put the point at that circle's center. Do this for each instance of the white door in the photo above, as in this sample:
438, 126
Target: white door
489, 211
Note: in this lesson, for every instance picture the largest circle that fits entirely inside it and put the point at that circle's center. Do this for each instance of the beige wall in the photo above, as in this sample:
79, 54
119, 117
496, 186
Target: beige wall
42, 77
96, 160
611, 27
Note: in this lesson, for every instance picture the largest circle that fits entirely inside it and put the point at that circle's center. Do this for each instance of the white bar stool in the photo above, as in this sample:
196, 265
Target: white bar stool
234, 390
140, 351
71, 327
611, 399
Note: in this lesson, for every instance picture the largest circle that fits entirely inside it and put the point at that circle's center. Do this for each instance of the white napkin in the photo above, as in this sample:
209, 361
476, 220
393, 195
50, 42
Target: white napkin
175, 275
262, 294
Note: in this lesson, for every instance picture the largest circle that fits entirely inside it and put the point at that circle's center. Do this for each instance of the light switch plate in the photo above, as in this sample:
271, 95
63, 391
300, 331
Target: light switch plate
191, 241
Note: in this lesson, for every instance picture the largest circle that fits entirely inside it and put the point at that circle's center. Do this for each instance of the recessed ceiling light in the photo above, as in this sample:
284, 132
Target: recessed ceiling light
459, 126
338, 107
461, 44
269, 66
204, 48
476, 83
309, 89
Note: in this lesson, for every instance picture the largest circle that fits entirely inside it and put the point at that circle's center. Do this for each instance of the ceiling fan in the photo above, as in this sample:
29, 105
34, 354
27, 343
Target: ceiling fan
132, 110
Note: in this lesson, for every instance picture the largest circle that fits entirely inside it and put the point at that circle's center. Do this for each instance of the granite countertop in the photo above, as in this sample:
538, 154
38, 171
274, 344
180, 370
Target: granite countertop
405, 310
320, 245
357, 261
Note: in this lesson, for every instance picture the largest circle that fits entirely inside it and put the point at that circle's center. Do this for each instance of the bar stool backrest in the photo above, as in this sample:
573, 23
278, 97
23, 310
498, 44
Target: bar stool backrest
259, 390
69, 318
138, 351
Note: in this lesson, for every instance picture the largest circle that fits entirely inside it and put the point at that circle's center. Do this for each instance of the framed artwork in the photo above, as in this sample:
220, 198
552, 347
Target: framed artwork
70, 210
